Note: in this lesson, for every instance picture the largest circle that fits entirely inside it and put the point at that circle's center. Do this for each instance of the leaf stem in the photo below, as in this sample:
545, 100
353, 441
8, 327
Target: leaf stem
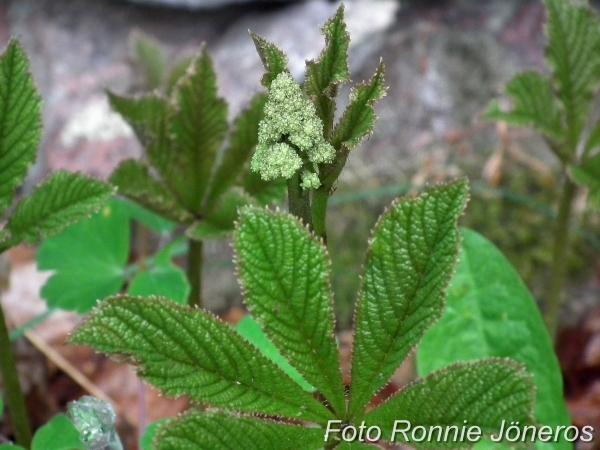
559, 255
12, 387
299, 200
194, 272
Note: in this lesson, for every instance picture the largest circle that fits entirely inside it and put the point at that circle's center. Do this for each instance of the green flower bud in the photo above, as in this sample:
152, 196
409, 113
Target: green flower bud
274, 161
310, 180
291, 117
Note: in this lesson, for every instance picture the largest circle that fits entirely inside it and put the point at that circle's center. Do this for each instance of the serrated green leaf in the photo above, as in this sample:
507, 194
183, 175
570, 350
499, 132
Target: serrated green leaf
483, 393
216, 431
58, 434
219, 223
148, 437
490, 312
284, 272
242, 142
331, 69
273, 59
97, 261
132, 179
200, 127
149, 117
358, 118
250, 330
411, 257
20, 121
61, 200
534, 106
162, 279
573, 52
11, 447
149, 55
177, 72
185, 351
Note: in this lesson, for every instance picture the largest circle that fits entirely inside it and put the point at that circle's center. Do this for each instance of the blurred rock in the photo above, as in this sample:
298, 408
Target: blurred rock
295, 30
201, 4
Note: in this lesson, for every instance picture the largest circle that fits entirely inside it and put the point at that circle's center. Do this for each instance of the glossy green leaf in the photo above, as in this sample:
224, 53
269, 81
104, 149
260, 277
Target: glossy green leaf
61, 200
359, 117
216, 431
284, 272
150, 433
490, 312
574, 54
58, 434
150, 57
20, 121
147, 218
484, 394
273, 59
410, 261
242, 142
133, 180
162, 279
331, 69
534, 105
185, 351
97, 261
249, 329
199, 127
219, 223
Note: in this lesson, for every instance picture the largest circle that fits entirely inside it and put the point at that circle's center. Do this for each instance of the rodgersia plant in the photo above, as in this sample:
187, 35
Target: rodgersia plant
62, 199
559, 108
188, 175
242, 398
298, 139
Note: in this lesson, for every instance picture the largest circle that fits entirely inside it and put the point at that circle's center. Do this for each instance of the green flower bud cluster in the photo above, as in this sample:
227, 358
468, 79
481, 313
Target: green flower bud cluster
290, 124
310, 180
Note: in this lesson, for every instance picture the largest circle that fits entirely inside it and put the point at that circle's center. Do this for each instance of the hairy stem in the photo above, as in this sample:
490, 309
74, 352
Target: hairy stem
559, 256
12, 387
319, 211
299, 200
194, 272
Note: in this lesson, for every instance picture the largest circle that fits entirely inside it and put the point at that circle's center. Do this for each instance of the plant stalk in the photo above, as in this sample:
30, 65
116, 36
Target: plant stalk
12, 387
559, 256
299, 200
319, 211
194, 272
